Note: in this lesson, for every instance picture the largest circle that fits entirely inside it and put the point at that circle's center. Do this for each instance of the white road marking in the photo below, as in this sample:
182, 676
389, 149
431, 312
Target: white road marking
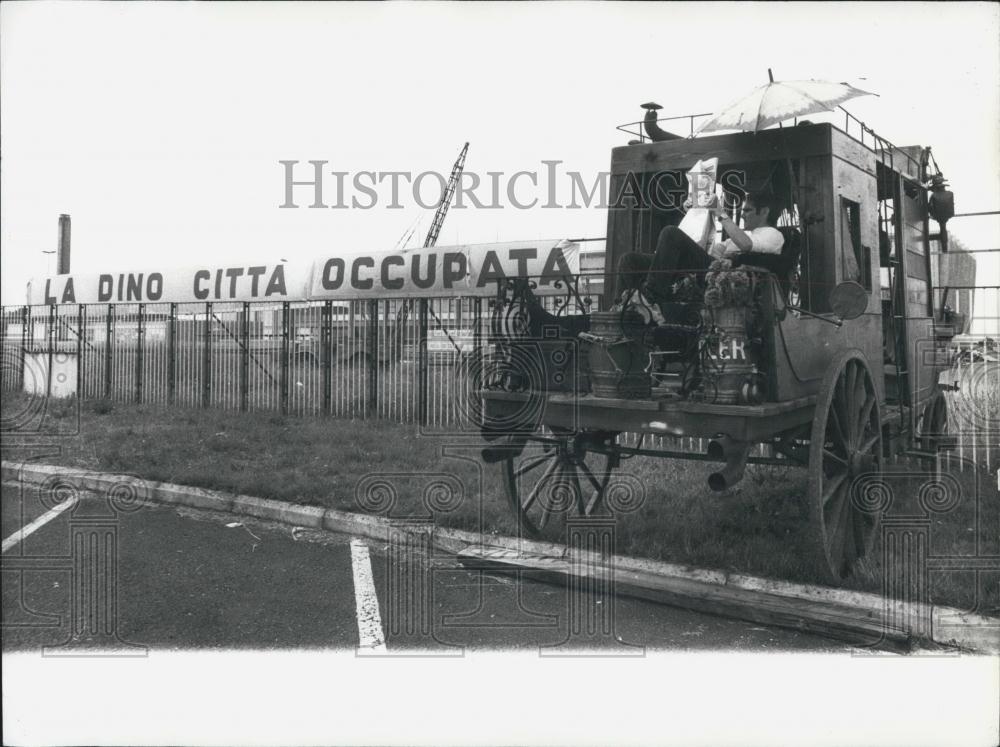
366, 601
18, 536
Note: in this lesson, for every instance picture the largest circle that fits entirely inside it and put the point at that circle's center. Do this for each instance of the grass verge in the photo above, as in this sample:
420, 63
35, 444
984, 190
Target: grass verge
759, 526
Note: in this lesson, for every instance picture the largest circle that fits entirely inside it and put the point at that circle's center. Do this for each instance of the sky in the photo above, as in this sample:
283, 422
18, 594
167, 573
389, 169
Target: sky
160, 127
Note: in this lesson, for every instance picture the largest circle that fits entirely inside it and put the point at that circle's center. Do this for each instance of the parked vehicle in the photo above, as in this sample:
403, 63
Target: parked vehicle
831, 368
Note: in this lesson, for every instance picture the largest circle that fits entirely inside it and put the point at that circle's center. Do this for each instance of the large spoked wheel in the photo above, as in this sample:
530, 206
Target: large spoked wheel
559, 474
846, 442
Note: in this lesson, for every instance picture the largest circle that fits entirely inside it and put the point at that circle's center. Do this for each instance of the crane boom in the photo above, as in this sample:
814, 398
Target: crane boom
432, 236
449, 192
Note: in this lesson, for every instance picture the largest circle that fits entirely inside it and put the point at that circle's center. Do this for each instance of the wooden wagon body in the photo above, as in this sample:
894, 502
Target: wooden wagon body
835, 395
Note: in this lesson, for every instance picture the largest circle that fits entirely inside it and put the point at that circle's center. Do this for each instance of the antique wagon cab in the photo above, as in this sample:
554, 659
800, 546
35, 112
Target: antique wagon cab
839, 342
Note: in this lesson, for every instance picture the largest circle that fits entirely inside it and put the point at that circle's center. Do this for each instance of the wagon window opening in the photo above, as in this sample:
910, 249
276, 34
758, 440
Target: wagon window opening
646, 202
889, 281
855, 258
737, 180
886, 244
666, 193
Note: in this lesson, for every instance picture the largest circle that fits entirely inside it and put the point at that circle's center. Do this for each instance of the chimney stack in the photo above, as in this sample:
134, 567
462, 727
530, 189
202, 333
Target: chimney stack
62, 255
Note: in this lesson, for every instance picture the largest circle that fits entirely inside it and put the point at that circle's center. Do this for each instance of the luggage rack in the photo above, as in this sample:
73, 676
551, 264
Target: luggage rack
643, 137
853, 127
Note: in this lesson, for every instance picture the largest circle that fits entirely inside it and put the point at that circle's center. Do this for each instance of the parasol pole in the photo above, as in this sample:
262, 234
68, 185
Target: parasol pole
793, 186
770, 78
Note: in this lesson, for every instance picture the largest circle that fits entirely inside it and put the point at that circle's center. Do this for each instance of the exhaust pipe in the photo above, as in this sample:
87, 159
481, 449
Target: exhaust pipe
653, 130
734, 453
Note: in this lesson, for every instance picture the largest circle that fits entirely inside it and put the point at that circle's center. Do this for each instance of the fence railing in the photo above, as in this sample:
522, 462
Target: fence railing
389, 358
403, 360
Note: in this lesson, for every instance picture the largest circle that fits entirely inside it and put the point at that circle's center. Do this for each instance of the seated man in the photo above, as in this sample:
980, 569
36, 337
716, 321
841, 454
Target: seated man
676, 253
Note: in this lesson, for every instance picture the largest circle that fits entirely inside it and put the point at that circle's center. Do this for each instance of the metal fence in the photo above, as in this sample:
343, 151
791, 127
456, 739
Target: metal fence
388, 358
403, 360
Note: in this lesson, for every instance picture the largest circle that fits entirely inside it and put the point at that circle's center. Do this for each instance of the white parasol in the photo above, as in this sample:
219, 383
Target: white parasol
777, 101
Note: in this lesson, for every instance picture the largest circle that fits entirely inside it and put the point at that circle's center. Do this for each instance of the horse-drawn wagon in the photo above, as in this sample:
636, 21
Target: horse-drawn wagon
828, 355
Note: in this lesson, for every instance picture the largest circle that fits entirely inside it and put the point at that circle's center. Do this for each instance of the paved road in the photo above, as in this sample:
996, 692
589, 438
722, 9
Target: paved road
184, 579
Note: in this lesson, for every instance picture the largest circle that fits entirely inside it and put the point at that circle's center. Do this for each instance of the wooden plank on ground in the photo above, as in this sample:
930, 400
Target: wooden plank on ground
858, 626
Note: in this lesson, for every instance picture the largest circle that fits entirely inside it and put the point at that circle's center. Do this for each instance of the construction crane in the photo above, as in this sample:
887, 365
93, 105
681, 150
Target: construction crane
432, 236
449, 193
442, 208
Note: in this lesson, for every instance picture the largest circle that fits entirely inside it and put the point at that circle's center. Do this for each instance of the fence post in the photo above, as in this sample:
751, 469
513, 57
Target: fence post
390, 341
422, 364
25, 323
140, 343
206, 359
285, 308
172, 354
109, 322
245, 358
326, 343
81, 318
475, 372
372, 402
50, 335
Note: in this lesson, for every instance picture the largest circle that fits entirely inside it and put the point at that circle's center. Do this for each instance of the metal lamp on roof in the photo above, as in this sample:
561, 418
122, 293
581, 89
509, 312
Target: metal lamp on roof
941, 202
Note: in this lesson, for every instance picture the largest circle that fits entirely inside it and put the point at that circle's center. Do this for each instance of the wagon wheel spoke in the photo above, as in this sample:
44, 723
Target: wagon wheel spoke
833, 485
595, 500
851, 377
858, 391
577, 491
838, 432
827, 454
838, 518
589, 475
601, 487
553, 498
530, 464
546, 501
868, 445
866, 412
849, 408
847, 395
840, 410
860, 425
546, 476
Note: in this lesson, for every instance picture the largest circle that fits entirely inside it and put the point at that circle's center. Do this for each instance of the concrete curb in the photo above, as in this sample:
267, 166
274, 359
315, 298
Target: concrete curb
949, 626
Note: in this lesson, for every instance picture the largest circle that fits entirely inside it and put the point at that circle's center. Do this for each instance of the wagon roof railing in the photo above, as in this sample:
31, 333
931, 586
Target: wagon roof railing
638, 132
853, 127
